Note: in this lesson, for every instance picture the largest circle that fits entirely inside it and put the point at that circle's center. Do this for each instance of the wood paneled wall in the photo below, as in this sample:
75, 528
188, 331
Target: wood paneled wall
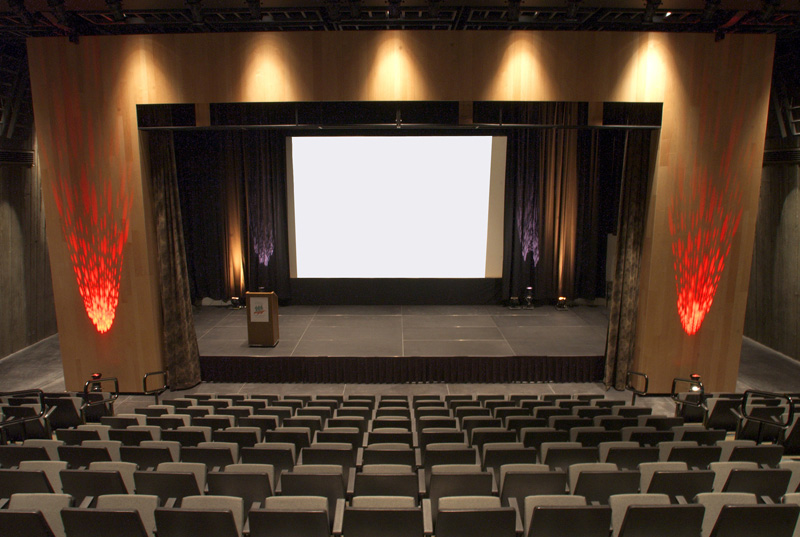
707, 89
27, 314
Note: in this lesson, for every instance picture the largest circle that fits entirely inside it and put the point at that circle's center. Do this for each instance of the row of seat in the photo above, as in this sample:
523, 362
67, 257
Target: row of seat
596, 481
627, 515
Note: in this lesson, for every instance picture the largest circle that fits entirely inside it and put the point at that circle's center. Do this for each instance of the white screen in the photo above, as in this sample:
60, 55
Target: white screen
394, 206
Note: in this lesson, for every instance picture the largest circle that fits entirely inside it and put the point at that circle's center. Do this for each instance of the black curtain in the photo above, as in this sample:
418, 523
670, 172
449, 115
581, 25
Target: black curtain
264, 177
233, 197
624, 304
561, 203
179, 339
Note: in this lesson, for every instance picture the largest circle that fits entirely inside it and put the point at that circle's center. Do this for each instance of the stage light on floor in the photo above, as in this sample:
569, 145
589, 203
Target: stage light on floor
562, 303
529, 298
513, 303
237, 302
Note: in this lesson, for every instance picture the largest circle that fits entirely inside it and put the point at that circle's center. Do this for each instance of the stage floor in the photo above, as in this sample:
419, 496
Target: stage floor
406, 331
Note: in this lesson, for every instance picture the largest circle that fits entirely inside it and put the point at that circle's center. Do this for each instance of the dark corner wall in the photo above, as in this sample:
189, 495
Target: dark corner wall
27, 312
773, 303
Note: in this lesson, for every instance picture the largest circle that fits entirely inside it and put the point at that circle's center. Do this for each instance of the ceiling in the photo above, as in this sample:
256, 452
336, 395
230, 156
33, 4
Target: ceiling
20, 19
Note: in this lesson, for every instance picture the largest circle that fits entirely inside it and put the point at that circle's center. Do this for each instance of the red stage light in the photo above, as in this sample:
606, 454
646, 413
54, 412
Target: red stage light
702, 229
95, 226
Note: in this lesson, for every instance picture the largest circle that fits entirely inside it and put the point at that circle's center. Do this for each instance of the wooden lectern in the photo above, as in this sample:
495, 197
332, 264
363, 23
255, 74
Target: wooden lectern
262, 319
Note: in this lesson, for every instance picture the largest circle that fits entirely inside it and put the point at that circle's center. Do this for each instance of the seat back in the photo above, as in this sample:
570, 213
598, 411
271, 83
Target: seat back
497, 522
597, 486
756, 521
12, 455
386, 522
685, 483
98, 523
82, 483
194, 522
769, 482
166, 485
251, 487
569, 521
662, 520
23, 481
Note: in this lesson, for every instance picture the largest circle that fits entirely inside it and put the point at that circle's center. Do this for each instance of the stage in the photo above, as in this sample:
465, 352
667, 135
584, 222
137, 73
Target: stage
398, 344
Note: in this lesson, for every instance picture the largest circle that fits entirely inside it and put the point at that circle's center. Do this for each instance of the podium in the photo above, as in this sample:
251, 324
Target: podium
262, 319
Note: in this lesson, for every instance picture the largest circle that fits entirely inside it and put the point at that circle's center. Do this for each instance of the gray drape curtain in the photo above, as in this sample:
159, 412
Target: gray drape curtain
179, 339
623, 307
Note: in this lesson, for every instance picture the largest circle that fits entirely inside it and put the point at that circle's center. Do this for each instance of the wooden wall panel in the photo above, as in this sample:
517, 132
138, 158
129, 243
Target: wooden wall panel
707, 89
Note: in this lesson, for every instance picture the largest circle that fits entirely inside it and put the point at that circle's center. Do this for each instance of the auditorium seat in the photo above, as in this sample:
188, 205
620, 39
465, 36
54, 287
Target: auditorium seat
82, 484
313, 423
598, 481
327, 453
390, 435
389, 516
440, 436
172, 480
349, 435
388, 454
713, 503
496, 455
447, 453
794, 467
565, 516
80, 522
51, 469
291, 516
561, 455
315, 480
474, 516
74, 437
50, 445
81, 456
299, 436
202, 515
521, 480
34, 515
763, 482
16, 481
211, 454
144, 504
661, 520
619, 504
280, 455
251, 482
387, 480
593, 436
458, 480
699, 434
699, 457
763, 454
11, 455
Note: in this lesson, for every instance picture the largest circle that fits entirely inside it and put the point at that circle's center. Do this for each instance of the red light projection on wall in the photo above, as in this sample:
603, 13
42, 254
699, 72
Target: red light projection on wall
95, 226
702, 226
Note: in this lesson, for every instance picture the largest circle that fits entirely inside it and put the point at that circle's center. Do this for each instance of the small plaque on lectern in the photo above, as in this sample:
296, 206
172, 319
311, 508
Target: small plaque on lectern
262, 319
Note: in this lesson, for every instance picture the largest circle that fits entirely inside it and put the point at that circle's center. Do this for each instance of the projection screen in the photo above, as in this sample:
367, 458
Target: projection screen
396, 206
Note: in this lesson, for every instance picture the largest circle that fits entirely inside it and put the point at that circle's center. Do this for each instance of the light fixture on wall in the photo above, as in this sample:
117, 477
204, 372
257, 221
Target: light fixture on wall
572, 9
709, 10
254, 6
355, 9
334, 10
768, 8
394, 11
115, 6
650, 11
19, 9
195, 10
512, 15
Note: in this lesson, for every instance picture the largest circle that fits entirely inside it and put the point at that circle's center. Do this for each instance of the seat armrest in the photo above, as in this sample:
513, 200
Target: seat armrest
414, 439
681, 500
520, 528
170, 503
360, 458
338, 517
351, 483
86, 502
418, 457
766, 500
421, 489
3, 503
427, 517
